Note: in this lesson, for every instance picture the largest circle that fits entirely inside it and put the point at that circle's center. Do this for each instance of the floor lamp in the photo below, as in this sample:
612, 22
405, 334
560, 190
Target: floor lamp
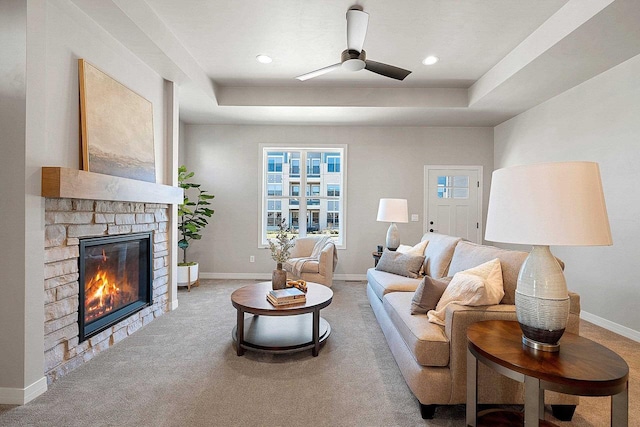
551, 204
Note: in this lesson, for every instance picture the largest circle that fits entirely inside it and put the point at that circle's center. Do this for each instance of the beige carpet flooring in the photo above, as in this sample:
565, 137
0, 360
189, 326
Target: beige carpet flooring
182, 370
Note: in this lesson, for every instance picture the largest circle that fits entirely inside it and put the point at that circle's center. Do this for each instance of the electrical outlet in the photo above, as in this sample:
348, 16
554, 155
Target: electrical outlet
414, 217
252, 259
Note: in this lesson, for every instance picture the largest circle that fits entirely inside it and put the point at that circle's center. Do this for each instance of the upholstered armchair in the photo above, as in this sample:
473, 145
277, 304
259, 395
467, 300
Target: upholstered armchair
312, 259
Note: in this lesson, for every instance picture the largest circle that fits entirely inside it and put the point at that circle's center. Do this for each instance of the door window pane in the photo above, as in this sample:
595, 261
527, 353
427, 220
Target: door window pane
453, 187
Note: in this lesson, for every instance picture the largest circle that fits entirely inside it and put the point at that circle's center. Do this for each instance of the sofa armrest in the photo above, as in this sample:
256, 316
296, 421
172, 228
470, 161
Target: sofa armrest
457, 319
326, 260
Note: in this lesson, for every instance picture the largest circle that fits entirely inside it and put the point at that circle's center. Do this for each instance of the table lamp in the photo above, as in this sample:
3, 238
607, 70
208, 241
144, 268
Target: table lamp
546, 205
393, 210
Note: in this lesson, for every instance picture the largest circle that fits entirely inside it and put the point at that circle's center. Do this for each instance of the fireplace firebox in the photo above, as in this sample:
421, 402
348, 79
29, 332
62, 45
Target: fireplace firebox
115, 280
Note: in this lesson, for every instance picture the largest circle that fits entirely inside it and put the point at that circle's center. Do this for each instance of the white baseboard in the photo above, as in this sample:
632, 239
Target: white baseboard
611, 326
350, 277
20, 396
231, 276
266, 276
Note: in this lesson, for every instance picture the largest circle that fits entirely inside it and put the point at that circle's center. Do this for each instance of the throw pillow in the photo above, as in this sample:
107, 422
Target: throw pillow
428, 294
402, 264
481, 285
413, 250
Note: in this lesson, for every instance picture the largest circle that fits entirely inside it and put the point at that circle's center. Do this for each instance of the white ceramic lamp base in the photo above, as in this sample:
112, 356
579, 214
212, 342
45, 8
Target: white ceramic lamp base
542, 300
393, 237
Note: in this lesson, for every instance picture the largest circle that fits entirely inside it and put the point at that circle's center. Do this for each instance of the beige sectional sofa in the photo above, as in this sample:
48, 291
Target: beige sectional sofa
432, 358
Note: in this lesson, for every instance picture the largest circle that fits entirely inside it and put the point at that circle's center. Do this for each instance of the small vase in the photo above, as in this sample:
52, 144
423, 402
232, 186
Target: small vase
279, 278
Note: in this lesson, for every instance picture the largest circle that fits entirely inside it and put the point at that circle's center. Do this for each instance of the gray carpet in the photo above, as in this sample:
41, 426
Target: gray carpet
182, 370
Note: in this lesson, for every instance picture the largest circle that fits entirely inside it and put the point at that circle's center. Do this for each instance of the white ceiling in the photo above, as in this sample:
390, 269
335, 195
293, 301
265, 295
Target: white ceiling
497, 57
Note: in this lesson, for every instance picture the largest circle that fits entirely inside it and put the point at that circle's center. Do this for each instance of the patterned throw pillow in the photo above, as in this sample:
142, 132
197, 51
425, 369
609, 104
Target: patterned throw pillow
402, 264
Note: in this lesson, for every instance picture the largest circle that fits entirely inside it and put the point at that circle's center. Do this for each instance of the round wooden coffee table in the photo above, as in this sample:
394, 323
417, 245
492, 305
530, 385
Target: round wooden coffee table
581, 367
280, 329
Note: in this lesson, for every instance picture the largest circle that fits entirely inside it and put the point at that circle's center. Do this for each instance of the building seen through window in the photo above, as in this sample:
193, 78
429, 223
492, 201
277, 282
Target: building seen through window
317, 210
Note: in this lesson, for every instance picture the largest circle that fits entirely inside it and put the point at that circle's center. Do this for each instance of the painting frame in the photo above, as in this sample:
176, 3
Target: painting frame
116, 127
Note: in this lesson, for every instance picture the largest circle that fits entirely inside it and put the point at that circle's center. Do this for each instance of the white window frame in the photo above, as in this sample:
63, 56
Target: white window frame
263, 149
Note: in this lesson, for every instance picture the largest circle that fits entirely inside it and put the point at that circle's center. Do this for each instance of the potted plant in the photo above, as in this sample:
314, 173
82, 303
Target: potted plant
280, 252
192, 214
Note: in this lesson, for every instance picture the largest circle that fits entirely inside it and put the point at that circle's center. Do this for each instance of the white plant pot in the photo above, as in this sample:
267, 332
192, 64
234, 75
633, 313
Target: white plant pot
187, 275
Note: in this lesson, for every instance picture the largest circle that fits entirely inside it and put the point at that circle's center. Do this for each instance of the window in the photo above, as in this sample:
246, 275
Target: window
453, 187
274, 213
309, 198
333, 163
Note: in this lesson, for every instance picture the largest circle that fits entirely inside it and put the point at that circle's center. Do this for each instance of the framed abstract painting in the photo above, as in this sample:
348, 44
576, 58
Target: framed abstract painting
116, 127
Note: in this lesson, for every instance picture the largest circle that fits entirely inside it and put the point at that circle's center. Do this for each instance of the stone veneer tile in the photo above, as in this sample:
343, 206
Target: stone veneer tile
73, 217
145, 218
49, 296
60, 335
60, 268
61, 308
54, 325
54, 235
58, 205
162, 246
68, 290
119, 229
125, 219
143, 228
104, 218
161, 215
60, 280
61, 253
82, 205
160, 237
86, 230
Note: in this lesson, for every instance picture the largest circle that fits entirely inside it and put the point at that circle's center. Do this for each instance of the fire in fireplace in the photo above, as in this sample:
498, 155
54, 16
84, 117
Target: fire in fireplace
115, 280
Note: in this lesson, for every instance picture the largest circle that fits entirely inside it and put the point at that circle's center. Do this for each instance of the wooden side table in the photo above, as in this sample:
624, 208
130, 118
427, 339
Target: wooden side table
581, 367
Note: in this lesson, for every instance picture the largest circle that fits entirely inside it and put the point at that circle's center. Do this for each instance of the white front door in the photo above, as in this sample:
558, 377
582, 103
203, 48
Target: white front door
453, 202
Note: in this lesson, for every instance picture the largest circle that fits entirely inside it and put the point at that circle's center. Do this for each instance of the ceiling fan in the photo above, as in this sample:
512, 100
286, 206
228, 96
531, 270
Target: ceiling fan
354, 58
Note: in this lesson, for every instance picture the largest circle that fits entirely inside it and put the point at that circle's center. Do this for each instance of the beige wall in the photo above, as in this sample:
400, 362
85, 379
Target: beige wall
596, 121
382, 162
40, 128
13, 51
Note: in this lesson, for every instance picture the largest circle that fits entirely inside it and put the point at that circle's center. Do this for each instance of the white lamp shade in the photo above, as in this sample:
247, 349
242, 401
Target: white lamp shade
548, 204
393, 210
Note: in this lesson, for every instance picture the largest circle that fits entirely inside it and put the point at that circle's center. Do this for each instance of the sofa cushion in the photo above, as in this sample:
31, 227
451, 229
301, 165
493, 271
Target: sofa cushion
438, 254
399, 263
428, 294
427, 342
481, 285
468, 255
382, 282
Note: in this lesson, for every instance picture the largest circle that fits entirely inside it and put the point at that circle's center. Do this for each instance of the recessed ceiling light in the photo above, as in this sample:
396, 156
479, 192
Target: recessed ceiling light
264, 59
430, 60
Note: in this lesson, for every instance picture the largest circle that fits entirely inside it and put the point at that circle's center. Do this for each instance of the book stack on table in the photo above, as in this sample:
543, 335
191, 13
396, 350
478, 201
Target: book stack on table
287, 296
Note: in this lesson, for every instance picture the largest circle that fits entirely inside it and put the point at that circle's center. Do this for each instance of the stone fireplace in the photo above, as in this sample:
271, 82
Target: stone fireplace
69, 225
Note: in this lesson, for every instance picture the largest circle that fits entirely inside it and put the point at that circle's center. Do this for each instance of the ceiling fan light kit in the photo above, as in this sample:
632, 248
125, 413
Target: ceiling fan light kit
354, 57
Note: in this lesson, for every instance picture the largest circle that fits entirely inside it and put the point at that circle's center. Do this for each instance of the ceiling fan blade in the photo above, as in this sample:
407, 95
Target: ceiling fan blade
386, 70
357, 22
319, 72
